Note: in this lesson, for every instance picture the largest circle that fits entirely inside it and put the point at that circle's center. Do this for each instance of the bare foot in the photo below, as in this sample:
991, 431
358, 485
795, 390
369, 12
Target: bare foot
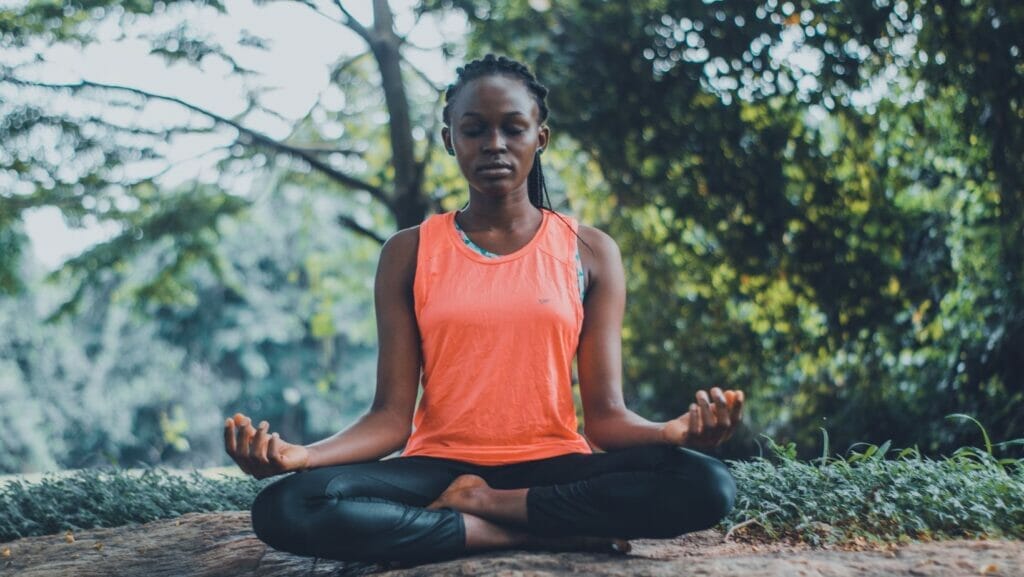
463, 489
467, 493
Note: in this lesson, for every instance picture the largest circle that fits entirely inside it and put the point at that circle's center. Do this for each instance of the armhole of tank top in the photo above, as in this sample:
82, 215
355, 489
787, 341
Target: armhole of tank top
581, 276
420, 282
577, 263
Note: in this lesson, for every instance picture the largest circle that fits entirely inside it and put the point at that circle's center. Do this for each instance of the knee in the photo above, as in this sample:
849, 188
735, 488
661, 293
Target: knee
720, 489
705, 492
271, 513
298, 515
265, 512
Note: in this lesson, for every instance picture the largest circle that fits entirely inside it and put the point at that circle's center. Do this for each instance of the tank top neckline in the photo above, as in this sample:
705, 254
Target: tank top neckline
453, 234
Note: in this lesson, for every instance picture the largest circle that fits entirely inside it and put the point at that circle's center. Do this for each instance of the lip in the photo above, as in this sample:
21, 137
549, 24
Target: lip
495, 168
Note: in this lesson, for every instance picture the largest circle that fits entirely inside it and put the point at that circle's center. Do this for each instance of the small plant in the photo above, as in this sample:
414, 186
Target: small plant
113, 497
865, 496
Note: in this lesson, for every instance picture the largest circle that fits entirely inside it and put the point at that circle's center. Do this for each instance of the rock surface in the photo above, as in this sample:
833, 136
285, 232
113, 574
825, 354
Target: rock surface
223, 545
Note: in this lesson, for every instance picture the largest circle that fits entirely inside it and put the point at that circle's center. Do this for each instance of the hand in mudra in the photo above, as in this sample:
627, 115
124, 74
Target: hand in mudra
709, 422
259, 453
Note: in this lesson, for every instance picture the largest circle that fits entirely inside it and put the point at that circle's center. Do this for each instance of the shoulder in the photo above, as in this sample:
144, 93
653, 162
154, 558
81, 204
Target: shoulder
403, 240
600, 256
601, 245
398, 254
402, 244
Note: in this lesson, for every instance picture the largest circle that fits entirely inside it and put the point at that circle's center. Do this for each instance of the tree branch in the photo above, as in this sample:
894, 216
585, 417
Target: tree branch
257, 138
356, 26
423, 76
350, 223
314, 8
328, 148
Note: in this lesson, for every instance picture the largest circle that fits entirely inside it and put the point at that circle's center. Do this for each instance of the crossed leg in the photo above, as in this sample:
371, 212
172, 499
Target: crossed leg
396, 509
653, 491
492, 516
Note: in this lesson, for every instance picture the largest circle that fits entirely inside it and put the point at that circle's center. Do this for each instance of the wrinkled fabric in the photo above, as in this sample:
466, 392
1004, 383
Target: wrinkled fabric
374, 511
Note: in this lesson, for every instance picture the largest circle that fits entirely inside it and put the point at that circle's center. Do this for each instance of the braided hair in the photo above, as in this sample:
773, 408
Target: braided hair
491, 65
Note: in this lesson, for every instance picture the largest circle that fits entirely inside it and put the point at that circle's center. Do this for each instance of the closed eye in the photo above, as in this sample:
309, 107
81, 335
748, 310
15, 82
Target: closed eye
512, 130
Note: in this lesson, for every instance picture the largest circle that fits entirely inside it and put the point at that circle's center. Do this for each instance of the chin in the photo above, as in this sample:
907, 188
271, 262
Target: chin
496, 187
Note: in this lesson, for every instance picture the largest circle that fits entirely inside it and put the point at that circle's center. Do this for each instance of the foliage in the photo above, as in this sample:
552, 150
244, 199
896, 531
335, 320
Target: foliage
93, 498
867, 496
84, 160
838, 234
282, 330
242, 289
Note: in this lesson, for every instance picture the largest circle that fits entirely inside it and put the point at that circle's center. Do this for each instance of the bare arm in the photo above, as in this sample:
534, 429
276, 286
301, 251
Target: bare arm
607, 422
387, 424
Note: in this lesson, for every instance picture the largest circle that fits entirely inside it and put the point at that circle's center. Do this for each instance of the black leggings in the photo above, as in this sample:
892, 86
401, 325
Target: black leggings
374, 510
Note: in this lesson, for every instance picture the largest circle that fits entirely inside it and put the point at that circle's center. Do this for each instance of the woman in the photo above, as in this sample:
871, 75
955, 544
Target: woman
492, 302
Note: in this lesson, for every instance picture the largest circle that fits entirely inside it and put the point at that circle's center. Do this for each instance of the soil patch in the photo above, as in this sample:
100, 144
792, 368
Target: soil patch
223, 545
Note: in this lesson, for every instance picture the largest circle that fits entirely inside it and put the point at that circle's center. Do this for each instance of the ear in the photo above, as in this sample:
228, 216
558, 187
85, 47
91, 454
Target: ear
543, 136
446, 137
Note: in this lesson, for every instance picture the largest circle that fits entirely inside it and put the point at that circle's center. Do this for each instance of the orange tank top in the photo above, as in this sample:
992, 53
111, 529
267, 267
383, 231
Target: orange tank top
498, 338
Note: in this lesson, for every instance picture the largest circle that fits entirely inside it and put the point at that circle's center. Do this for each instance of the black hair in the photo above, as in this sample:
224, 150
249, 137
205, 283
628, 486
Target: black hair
491, 65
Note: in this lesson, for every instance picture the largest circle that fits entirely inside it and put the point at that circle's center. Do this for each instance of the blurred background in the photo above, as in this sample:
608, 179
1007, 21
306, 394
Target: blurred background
818, 202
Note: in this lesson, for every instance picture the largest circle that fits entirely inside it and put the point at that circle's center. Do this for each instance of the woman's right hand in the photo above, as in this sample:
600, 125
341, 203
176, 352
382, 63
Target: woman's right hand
259, 453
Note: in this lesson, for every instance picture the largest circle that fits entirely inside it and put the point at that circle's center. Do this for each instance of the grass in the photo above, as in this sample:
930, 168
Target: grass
880, 495
93, 498
876, 494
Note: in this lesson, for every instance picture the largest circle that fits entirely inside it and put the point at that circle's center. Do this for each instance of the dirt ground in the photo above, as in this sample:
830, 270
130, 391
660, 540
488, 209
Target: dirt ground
223, 545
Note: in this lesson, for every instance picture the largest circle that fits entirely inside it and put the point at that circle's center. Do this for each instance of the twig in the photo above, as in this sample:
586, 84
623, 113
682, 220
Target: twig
754, 520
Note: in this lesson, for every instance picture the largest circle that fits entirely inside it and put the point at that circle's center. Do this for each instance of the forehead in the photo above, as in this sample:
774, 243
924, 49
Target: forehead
495, 95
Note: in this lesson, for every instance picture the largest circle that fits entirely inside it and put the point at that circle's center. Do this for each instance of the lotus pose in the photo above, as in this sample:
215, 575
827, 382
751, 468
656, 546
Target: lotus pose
487, 307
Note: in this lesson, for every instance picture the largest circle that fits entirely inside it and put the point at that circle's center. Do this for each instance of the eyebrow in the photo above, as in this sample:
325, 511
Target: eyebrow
515, 113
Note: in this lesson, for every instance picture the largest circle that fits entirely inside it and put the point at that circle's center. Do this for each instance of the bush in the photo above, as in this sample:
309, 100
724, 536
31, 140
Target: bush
113, 497
866, 496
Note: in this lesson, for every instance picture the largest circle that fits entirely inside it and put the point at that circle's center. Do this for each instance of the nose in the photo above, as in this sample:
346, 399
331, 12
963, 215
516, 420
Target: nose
494, 142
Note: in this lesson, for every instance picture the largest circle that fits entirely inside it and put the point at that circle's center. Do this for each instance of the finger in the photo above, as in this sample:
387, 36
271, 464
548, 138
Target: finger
254, 459
236, 454
240, 423
230, 443
245, 439
259, 443
737, 408
730, 397
706, 413
696, 424
721, 408
274, 449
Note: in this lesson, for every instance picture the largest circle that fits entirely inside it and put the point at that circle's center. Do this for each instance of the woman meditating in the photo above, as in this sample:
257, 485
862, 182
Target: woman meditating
492, 303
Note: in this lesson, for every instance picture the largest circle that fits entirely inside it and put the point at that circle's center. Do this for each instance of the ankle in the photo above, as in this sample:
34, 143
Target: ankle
475, 501
484, 534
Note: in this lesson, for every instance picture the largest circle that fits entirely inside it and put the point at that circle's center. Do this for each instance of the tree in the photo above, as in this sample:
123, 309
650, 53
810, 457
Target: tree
96, 184
271, 321
286, 336
785, 232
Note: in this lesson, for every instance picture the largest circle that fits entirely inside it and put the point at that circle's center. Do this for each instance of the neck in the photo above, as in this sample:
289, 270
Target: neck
508, 212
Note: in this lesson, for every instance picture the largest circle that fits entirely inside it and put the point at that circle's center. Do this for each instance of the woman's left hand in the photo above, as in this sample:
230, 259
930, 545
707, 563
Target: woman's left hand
709, 422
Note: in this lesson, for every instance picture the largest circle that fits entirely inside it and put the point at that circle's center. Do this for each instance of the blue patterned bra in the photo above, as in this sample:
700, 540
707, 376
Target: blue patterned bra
489, 254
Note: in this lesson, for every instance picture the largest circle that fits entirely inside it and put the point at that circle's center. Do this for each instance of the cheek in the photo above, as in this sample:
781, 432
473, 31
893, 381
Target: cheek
465, 164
